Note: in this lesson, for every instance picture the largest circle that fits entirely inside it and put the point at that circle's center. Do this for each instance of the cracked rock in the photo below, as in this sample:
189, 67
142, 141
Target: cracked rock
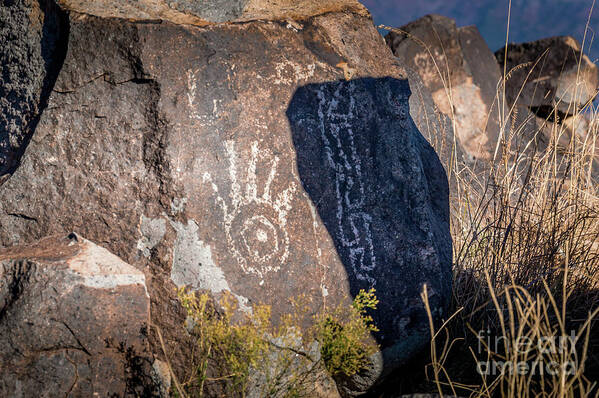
72, 322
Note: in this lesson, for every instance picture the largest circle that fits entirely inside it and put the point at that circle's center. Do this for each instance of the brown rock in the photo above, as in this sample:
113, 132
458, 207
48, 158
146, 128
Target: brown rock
544, 75
434, 125
461, 73
72, 322
236, 157
206, 12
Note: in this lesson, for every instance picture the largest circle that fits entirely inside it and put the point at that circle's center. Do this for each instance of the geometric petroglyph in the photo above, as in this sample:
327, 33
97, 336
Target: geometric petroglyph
205, 119
336, 117
254, 218
288, 72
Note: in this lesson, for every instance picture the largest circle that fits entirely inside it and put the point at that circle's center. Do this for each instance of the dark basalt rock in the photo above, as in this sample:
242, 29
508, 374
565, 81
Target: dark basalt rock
73, 319
370, 175
32, 34
545, 76
199, 155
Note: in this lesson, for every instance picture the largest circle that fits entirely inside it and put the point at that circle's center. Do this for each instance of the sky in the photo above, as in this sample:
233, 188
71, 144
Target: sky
530, 19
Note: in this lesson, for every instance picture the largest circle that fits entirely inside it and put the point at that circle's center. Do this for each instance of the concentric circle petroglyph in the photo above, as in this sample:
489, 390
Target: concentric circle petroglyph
258, 238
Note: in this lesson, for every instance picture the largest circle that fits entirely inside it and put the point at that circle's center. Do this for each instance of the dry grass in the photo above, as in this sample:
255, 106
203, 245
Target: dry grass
526, 264
526, 236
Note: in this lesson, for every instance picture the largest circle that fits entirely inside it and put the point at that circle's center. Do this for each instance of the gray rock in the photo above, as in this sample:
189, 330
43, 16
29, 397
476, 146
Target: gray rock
73, 319
296, 365
213, 10
199, 154
161, 376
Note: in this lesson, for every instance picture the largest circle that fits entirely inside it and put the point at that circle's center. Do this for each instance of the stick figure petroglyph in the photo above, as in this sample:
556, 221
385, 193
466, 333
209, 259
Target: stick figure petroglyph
255, 220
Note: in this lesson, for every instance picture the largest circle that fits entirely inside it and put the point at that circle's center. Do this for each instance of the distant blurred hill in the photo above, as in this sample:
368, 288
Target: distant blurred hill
530, 19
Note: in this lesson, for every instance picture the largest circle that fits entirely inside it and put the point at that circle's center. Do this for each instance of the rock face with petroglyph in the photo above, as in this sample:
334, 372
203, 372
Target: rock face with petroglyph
461, 73
73, 320
193, 153
370, 175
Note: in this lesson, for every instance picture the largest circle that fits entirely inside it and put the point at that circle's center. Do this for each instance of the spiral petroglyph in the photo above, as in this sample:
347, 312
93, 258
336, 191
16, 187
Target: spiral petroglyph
254, 218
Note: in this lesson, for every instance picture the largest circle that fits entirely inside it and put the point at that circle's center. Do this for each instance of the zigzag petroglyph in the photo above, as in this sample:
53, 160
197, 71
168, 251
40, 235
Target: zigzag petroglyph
353, 223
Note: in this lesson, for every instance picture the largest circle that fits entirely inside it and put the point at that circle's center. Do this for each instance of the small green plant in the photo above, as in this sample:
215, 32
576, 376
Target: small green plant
344, 335
248, 352
233, 347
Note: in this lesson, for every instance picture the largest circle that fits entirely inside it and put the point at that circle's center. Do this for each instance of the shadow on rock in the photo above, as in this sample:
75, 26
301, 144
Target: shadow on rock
34, 36
382, 194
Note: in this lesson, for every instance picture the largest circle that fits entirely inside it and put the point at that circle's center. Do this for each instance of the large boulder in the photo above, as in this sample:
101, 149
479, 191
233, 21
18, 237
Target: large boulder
358, 151
235, 157
550, 81
549, 74
73, 322
460, 71
435, 126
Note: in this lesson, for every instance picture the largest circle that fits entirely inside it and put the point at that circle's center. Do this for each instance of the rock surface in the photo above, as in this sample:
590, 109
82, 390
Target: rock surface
461, 73
433, 124
232, 158
206, 12
545, 75
367, 169
545, 95
73, 319
30, 32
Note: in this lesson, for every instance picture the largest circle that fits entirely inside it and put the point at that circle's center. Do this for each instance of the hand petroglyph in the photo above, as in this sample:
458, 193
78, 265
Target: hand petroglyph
255, 218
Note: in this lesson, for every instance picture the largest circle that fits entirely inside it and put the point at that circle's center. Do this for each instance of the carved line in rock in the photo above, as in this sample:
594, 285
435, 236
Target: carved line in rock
255, 222
286, 73
192, 87
255, 225
353, 223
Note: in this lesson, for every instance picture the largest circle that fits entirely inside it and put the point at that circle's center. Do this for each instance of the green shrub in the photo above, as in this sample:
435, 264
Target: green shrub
239, 352
344, 335
234, 347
